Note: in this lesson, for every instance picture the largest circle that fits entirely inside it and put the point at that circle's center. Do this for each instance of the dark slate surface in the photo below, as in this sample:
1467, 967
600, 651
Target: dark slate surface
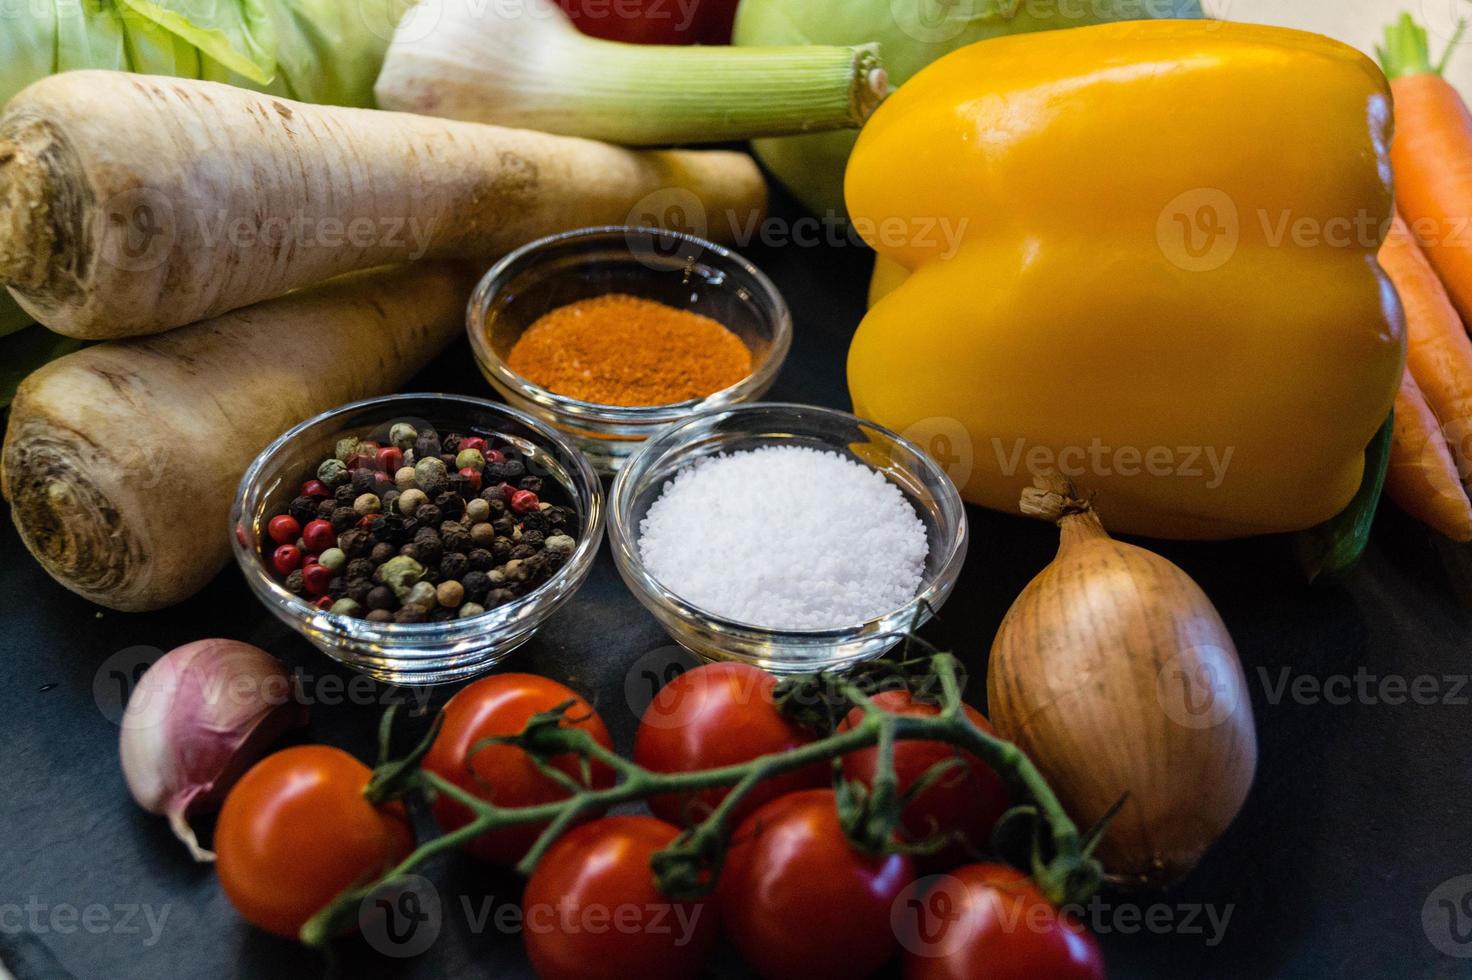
1358, 823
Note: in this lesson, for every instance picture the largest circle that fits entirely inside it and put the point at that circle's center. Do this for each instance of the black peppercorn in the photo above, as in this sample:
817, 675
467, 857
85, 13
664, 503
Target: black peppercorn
390, 528
412, 613
456, 537
450, 444
477, 584
532, 539
382, 552
453, 565
441, 615
429, 551
493, 494
459, 486
427, 445
391, 501
358, 591
345, 495
343, 519
364, 481
433, 576
380, 616
521, 552
359, 568
515, 469
532, 483
428, 515
501, 548
534, 521
451, 506
481, 560
355, 544
304, 509
296, 583
410, 550
498, 597
381, 597
325, 508
504, 526
338, 587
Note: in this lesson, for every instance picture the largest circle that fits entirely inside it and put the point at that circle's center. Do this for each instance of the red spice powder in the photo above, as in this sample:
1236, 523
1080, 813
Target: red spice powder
618, 349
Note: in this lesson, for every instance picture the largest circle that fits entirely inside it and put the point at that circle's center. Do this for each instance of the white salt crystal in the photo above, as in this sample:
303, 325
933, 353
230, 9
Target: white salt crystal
785, 537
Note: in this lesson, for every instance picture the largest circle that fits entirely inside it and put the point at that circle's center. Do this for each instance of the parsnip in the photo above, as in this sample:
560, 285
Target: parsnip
121, 460
130, 204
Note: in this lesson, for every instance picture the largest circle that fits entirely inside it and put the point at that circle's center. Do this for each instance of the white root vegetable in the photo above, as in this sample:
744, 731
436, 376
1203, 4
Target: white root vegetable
121, 460
525, 64
186, 199
1114, 674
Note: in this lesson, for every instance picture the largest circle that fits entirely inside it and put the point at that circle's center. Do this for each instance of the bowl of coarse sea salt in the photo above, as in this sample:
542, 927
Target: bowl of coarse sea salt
790, 537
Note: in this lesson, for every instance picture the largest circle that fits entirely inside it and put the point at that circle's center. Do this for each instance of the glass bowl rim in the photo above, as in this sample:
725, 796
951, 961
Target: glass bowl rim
757, 380
253, 564
625, 550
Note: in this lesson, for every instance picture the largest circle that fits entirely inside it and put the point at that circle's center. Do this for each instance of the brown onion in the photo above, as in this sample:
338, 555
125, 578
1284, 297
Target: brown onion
1116, 676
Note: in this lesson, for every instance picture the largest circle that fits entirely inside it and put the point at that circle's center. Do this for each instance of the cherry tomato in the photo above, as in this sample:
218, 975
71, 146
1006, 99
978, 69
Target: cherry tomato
296, 830
994, 923
967, 801
504, 774
798, 901
591, 911
718, 715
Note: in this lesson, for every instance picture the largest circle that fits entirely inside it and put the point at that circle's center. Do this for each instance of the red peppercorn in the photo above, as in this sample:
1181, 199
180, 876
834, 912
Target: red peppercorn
284, 529
324, 602
494, 456
473, 442
317, 578
316, 489
319, 536
286, 559
368, 520
472, 476
390, 459
524, 502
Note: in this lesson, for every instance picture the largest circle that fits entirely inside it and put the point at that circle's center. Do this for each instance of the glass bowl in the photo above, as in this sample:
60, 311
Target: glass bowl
920, 478
415, 653
679, 270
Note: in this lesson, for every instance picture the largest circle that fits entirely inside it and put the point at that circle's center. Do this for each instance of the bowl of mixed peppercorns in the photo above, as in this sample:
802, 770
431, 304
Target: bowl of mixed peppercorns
418, 538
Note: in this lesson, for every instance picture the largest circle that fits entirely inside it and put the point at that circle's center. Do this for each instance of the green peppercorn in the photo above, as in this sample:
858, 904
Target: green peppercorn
368, 503
472, 609
333, 559
333, 472
401, 573
423, 594
472, 458
346, 607
411, 500
560, 544
430, 471
402, 434
346, 448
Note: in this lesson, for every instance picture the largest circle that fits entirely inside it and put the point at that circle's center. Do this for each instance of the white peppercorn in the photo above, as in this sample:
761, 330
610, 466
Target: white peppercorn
346, 607
346, 448
560, 544
404, 478
429, 471
368, 503
482, 534
422, 594
471, 609
450, 594
402, 434
477, 510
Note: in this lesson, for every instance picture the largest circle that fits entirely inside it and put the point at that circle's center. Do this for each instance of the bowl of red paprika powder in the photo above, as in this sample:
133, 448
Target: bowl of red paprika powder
610, 334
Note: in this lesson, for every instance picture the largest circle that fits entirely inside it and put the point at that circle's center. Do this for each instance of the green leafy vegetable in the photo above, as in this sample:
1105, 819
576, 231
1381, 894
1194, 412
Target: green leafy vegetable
911, 34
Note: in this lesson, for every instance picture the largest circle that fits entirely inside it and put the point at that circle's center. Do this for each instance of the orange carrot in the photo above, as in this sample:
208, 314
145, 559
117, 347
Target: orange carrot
1438, 352
1422, 478
1432, 156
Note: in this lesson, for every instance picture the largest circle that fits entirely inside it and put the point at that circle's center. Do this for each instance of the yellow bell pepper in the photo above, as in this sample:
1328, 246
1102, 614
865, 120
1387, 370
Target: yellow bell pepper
1141, 255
